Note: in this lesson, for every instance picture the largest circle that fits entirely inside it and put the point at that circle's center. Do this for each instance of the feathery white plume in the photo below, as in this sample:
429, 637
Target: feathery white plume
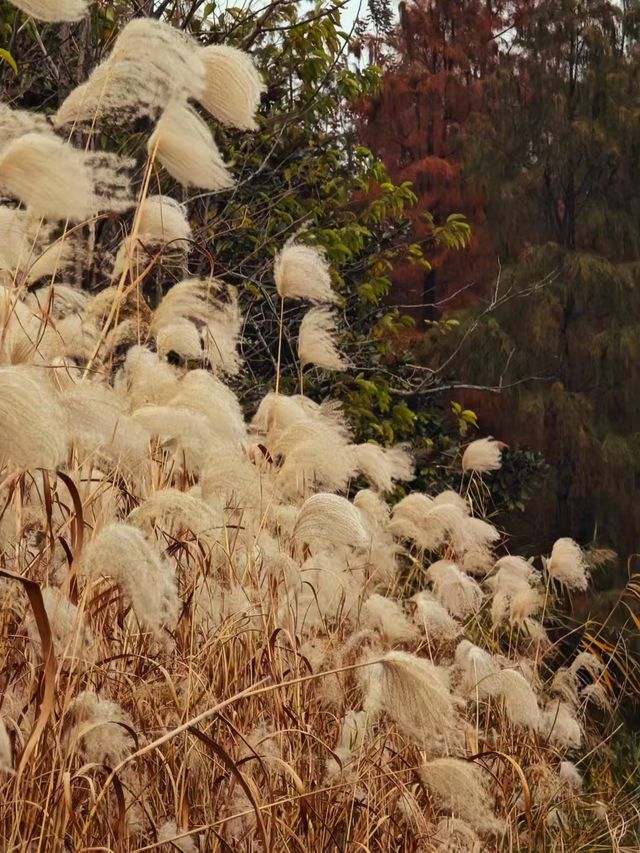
98, 425
182, 430
101, 729
560, 726
462, 787
233, 86
316, 340
520, 703
24, 247
414, 694
386, 616
567, 565
61, 182
302, 272
430, 525
206, 394
382, 466
409, 514
460, 594
484, 454
434, 619
190, 299
180, 337
49, 176
32, 430
163, 220
17, 123
171, 509
316, 454
6, 758
221, 336
169, 836
69, 633
185, 147
570, 775
330, 518
121, 552
151, 65
476, 664
54, 11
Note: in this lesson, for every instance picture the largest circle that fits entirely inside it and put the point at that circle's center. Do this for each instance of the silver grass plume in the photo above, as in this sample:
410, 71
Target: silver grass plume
460, 594
434, 619
383, 466
120, 551
32, 433
181, 430
151, 65
171, 509
484, 454
207, 395
61, 182
162, 223
317, 341
413, 692
54, 11
25, 252
559, 725
184, 145
190, 299
182, 338
101, 730
17, 123
170, 835
164, 220
462, 787
388, 618
221, 336
69, 632
567, 565
233, 86
331, 519
100, 427
6, 757
302, 272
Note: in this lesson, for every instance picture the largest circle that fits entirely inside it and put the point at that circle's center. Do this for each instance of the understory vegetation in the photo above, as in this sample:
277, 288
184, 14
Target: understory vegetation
231, 617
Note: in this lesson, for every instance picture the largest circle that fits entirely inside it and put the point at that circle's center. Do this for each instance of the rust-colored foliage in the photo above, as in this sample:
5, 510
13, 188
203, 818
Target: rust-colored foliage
442, 54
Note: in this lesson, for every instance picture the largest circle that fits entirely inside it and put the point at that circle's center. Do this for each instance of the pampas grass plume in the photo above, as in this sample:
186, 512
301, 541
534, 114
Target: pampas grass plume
32, 433
98, 729
151, 66
54, 11
49, 176
331, 518
164, 220
382, 466
121, 552
461, 787
316, 340
386, 616
567, 565
6, 758
169, 837
233, 86
460, 594
302, 272
434, 618
414, 694
484, 454
184, 145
